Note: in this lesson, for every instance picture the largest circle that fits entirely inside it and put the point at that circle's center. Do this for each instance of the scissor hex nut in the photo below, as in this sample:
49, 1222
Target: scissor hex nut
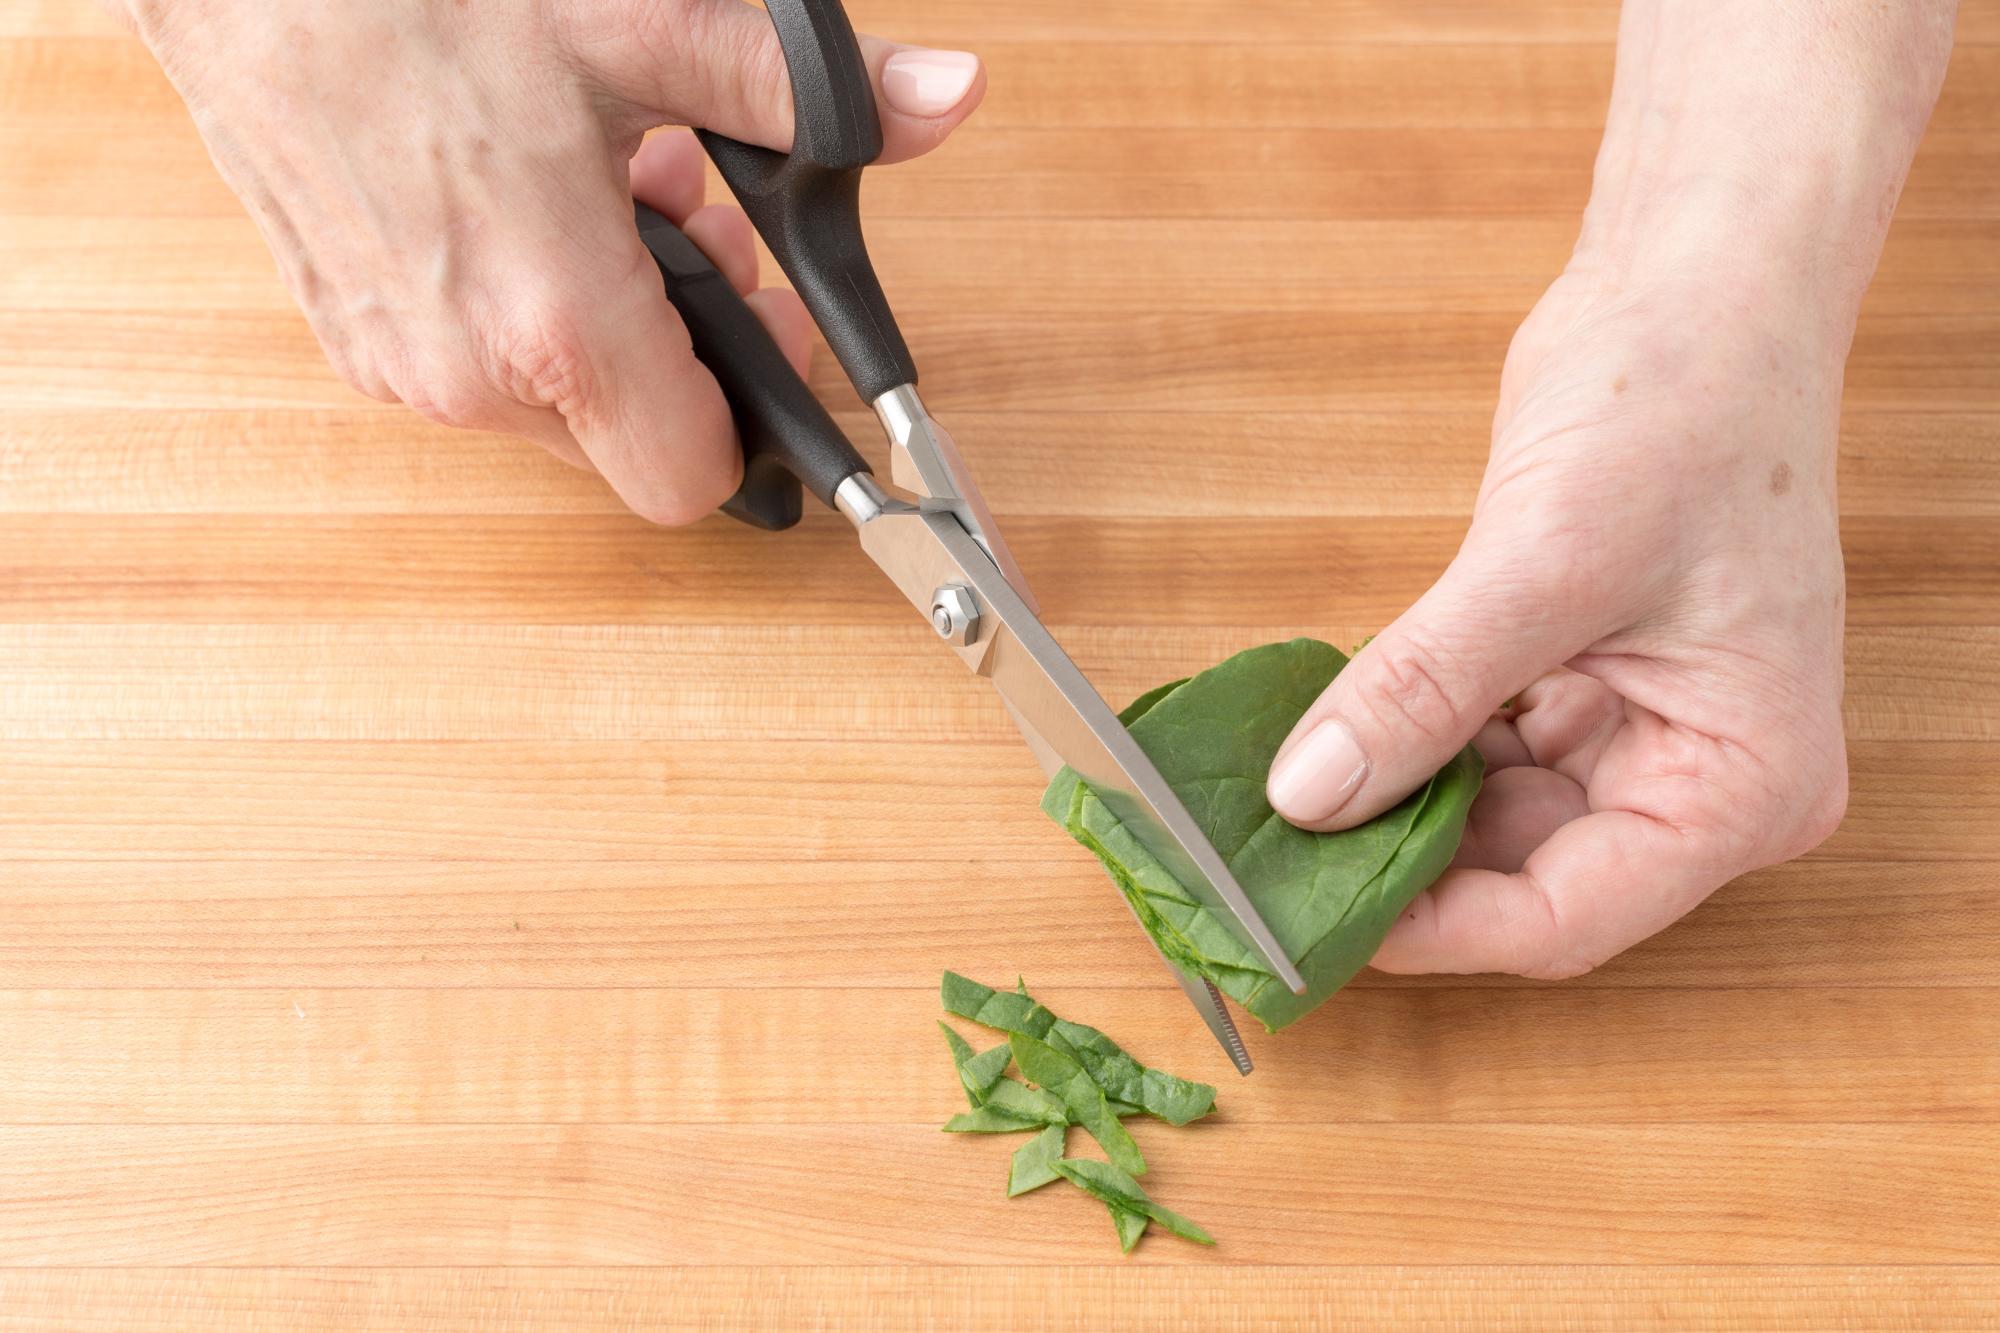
954, 615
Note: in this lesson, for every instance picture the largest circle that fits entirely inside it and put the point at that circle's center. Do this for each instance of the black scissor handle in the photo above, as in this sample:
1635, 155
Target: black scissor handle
788, 438
806, 203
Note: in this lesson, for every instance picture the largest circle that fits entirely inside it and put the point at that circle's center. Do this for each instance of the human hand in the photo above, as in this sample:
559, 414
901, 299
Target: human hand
447, 190
1642, 629
1643, 625
1653, 577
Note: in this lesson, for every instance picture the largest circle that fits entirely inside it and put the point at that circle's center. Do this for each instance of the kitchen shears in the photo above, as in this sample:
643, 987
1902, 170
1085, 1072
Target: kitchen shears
941, 548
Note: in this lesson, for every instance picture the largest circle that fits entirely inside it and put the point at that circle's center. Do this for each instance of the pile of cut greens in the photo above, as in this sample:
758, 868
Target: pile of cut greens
1328, 897
1075, 1075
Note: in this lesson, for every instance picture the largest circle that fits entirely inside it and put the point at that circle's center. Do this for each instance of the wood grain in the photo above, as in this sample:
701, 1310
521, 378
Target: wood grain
1078, 1298
435, 899
709, 800
687, 1056
1181, 573
845, 1193
1403, 266
465, 682
345, 923
382, 460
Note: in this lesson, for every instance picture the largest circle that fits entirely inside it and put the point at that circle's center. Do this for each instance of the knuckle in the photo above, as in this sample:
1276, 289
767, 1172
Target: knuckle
1409, 690
751, 64
448, 395
361, 376
539, 356
1551, 952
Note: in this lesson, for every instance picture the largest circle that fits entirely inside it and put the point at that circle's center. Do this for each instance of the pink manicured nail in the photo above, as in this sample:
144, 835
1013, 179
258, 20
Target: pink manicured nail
920, 82
1316, 776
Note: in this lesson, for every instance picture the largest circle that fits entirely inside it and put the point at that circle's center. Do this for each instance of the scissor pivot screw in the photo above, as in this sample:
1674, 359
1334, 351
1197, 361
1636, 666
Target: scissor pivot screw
954, 615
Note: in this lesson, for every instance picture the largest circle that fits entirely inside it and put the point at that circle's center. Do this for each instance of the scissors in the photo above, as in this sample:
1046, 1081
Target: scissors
941, 548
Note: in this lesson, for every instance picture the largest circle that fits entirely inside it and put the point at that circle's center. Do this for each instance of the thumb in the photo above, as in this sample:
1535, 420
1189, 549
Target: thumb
1419, 692
717, 65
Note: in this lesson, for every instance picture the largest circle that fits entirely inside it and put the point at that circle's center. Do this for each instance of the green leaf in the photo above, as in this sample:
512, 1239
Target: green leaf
1064, 1077
1031, 1105
1139, 707
988, 1120
1125, 1081
1102, 1180
978, 1073
1034, 1161
1130, 1225
1007, 1010
1328, 897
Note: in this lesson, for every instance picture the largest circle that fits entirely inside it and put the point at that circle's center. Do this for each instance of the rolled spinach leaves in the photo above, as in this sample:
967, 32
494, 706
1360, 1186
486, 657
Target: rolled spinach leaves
1328, 897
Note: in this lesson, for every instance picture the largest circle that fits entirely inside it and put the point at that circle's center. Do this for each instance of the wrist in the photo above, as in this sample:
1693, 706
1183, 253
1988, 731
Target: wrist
1760, 149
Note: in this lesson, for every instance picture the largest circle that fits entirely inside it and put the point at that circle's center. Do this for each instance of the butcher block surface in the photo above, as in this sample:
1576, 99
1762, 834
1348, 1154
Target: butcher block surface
430, 897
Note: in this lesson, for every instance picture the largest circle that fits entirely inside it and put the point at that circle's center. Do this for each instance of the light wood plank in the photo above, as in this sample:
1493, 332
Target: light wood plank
1375, 173
1045, 909
1193, 21
804, 801
1074, 1298
690, 1057
1048, 84
1184, 573
570, 1194
1496, 266
199, 265
414, 681
386, 460
1282, 360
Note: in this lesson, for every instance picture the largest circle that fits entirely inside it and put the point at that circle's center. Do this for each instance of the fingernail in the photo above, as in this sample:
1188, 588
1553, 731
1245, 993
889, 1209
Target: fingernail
1318, 775
920, 82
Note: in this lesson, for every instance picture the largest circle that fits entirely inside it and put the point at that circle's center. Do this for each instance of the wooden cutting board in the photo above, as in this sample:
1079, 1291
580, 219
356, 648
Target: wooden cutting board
433, 898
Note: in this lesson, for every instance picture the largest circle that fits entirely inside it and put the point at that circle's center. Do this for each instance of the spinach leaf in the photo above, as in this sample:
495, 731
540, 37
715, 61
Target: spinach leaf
978, 1073
1009, 1011
1104, 1181
1034, 1161
1058, 1074
1032, 1105
1130, 1226
1328, 897
988, 1120
1126, 1083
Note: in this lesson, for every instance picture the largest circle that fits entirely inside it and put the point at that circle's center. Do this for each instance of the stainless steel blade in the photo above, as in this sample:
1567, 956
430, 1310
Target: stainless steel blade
1207, 1001
924, 551
1200, 991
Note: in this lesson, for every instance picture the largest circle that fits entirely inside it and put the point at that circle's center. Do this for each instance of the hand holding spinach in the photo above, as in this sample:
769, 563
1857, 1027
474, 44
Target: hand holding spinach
1329, 897
1653, 569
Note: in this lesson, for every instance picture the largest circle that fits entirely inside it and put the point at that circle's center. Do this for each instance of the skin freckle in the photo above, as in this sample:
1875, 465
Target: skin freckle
1781, 478
1618, 385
